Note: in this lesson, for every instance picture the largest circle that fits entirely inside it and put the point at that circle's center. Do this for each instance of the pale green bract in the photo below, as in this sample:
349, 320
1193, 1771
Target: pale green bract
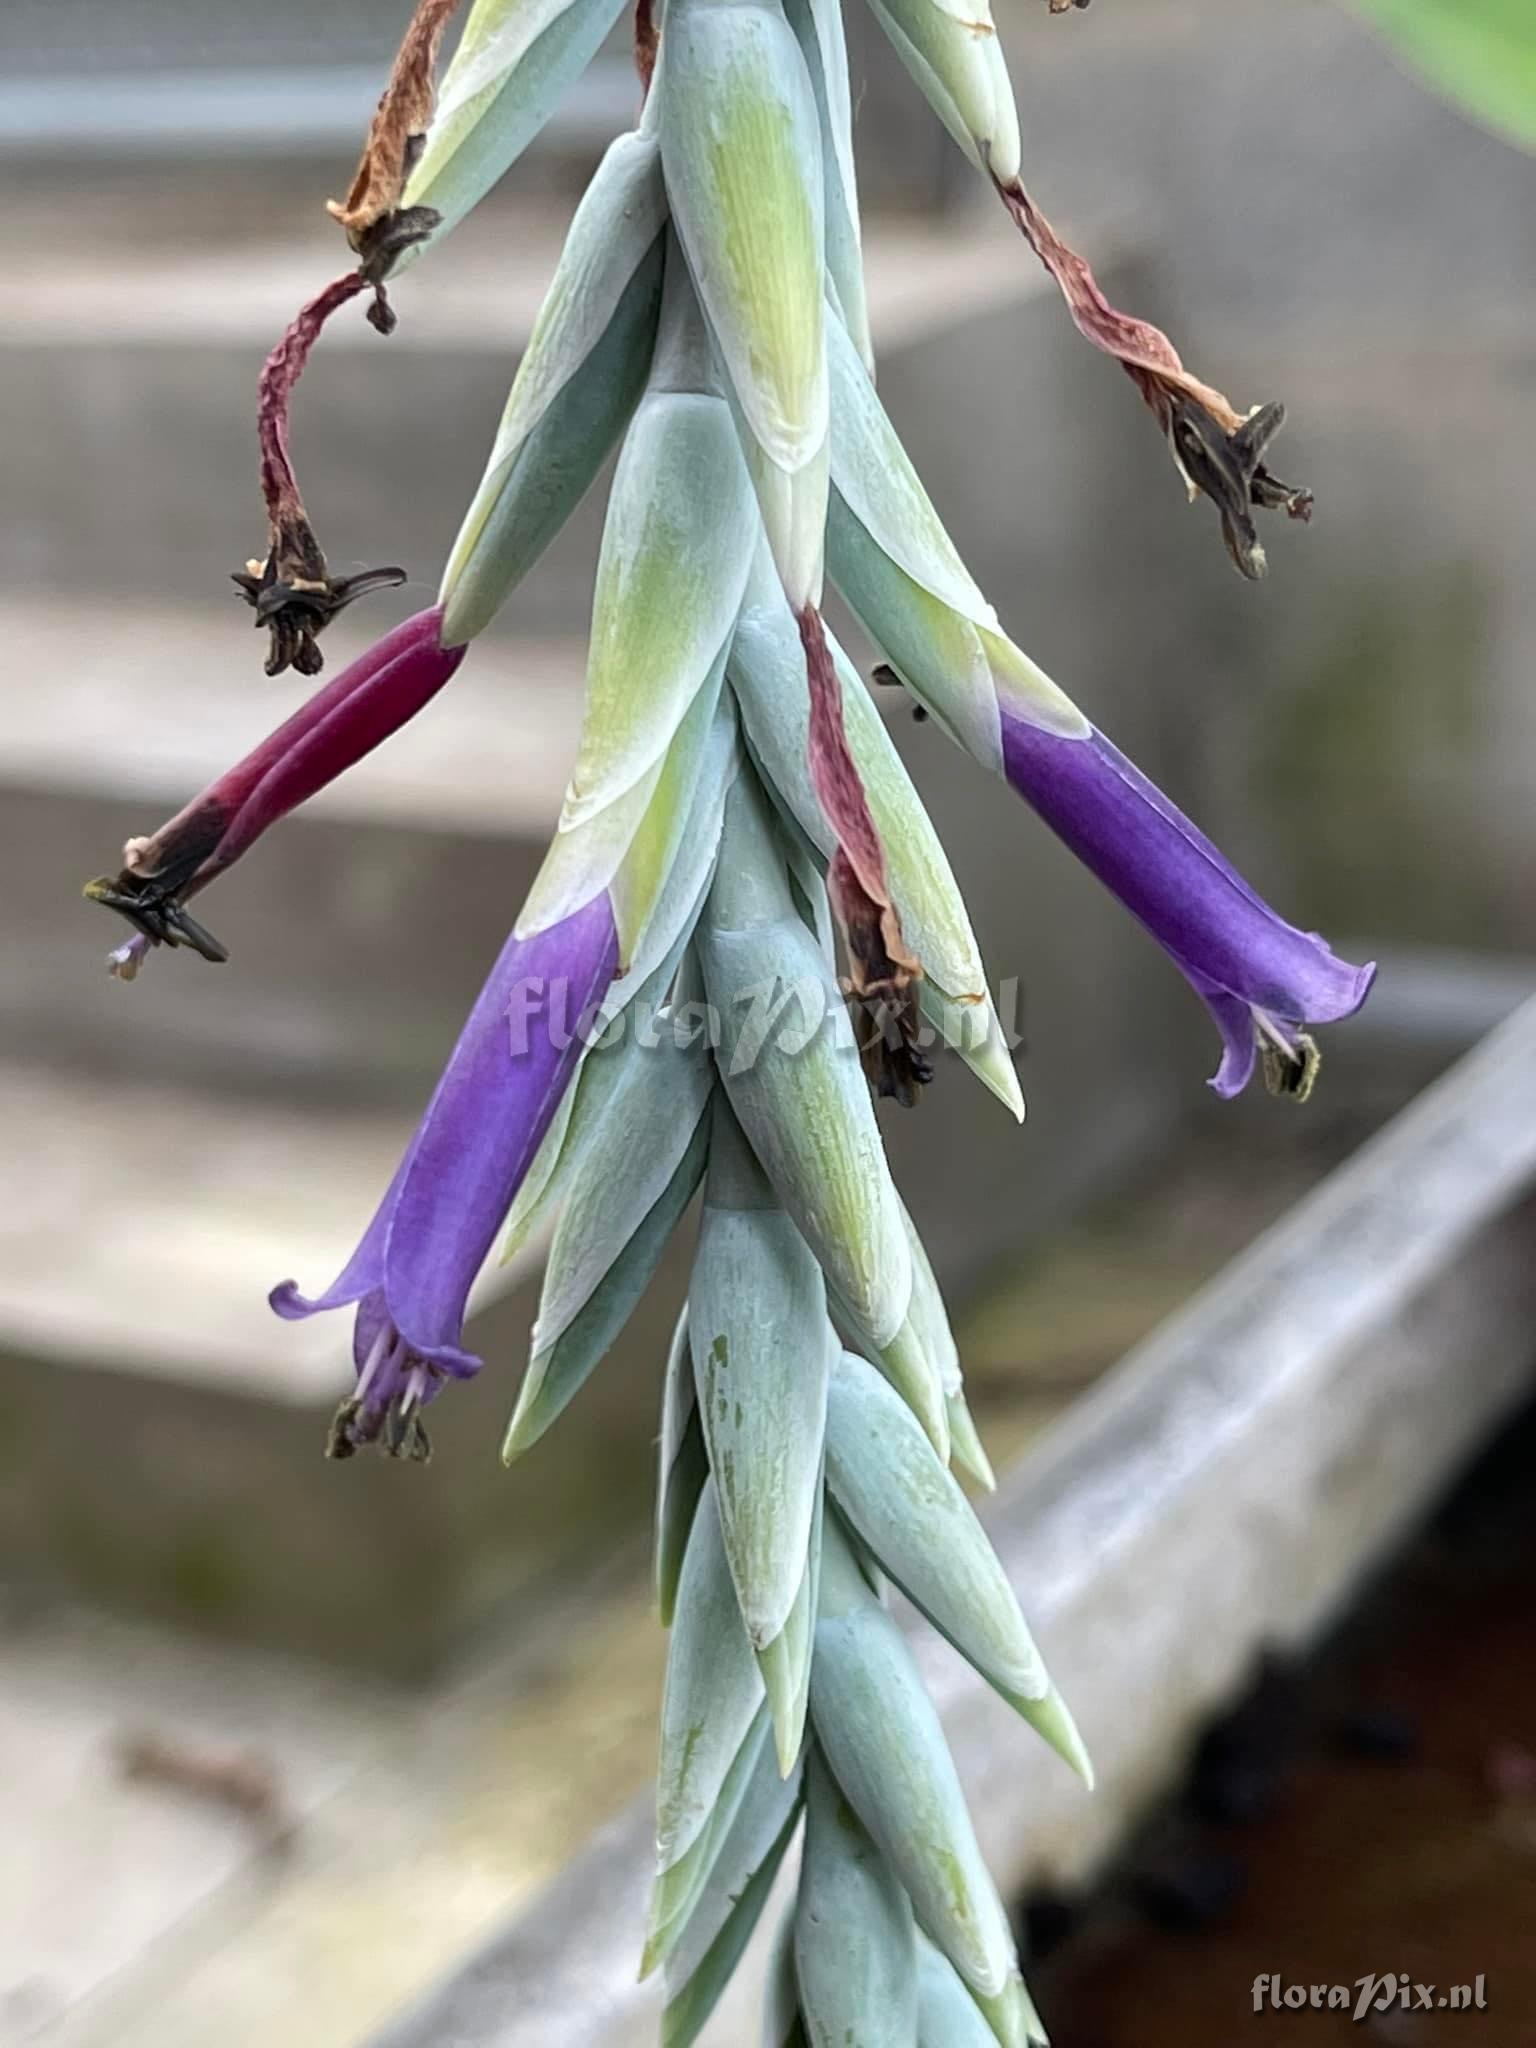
580, 377
708, 318
955, 58
514, 64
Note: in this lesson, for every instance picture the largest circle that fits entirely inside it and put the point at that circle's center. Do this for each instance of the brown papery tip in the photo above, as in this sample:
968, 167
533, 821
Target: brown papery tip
397, 133
881, 989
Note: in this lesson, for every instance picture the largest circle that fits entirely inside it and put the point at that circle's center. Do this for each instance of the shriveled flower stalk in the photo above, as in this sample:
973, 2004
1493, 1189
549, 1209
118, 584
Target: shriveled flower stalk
952, 51
745, 932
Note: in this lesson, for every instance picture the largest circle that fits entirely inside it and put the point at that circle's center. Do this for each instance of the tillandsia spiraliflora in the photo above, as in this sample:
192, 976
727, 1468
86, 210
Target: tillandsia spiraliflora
744, 933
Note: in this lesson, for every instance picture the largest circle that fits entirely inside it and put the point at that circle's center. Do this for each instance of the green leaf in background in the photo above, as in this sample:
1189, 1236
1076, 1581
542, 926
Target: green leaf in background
1480, 52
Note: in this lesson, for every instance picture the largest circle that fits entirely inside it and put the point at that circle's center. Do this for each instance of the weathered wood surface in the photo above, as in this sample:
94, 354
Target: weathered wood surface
1227, 1486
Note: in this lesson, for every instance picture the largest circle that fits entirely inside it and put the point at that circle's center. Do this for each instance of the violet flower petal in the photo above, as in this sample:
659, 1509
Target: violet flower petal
1258, 975
414, 1267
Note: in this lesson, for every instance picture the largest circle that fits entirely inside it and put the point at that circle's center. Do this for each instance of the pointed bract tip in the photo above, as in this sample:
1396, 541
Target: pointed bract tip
1051, 1719
528, 1424
965, 1445
672, 1900
785, 1670
1011, 2015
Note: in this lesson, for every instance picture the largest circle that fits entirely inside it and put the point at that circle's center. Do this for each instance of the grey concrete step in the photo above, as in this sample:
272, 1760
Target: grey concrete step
163, 1433
360, 931
138, 345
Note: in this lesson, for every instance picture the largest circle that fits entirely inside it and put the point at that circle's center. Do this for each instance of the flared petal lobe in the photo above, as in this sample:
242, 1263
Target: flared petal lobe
1263, 980
413, 1269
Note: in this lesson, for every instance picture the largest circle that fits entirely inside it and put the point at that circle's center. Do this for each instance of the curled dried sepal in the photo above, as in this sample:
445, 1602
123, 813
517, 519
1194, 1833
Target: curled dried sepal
377, 227
295, 607
156, 915
1066, 6
1218, 451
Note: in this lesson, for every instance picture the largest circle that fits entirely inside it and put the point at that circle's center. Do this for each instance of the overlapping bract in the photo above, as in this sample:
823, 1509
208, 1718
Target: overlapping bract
667, 1018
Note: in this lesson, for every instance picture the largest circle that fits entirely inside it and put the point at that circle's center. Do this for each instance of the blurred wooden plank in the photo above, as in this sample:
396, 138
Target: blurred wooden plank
1227, 1486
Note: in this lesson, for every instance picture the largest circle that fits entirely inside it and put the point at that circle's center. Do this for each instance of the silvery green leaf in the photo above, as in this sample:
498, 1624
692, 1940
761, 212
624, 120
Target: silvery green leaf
712, 1699
766, 667
909, 1510
627, 847
579, 380
677, 545
792, 1071
625, 1034
876, 480
691, 856
757, 1321
1012, 2017
881, 1737
564, 1361
908, 1365
953, 667
855, 1944
752, 1846
741, 148
911, 1370
934, 648
818, 27
786, 1662
688, 2009
793, 503
476, 136
683, 1468
883, 538
947, 2015
496, 38
928, 1311
959, 67
975, 1032
678, 541
966, 1448
647, 1120
781, 1998
680, 1887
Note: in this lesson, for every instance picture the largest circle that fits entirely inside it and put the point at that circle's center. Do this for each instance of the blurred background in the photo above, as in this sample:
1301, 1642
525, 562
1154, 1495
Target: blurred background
280, 1741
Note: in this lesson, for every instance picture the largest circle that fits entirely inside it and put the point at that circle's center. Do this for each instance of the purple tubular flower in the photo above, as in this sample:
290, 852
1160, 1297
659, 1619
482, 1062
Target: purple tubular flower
1262, 979
410, 1276
371, 698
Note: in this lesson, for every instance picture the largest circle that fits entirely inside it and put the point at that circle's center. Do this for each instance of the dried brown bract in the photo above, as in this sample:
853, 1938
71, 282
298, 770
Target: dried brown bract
376, 226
